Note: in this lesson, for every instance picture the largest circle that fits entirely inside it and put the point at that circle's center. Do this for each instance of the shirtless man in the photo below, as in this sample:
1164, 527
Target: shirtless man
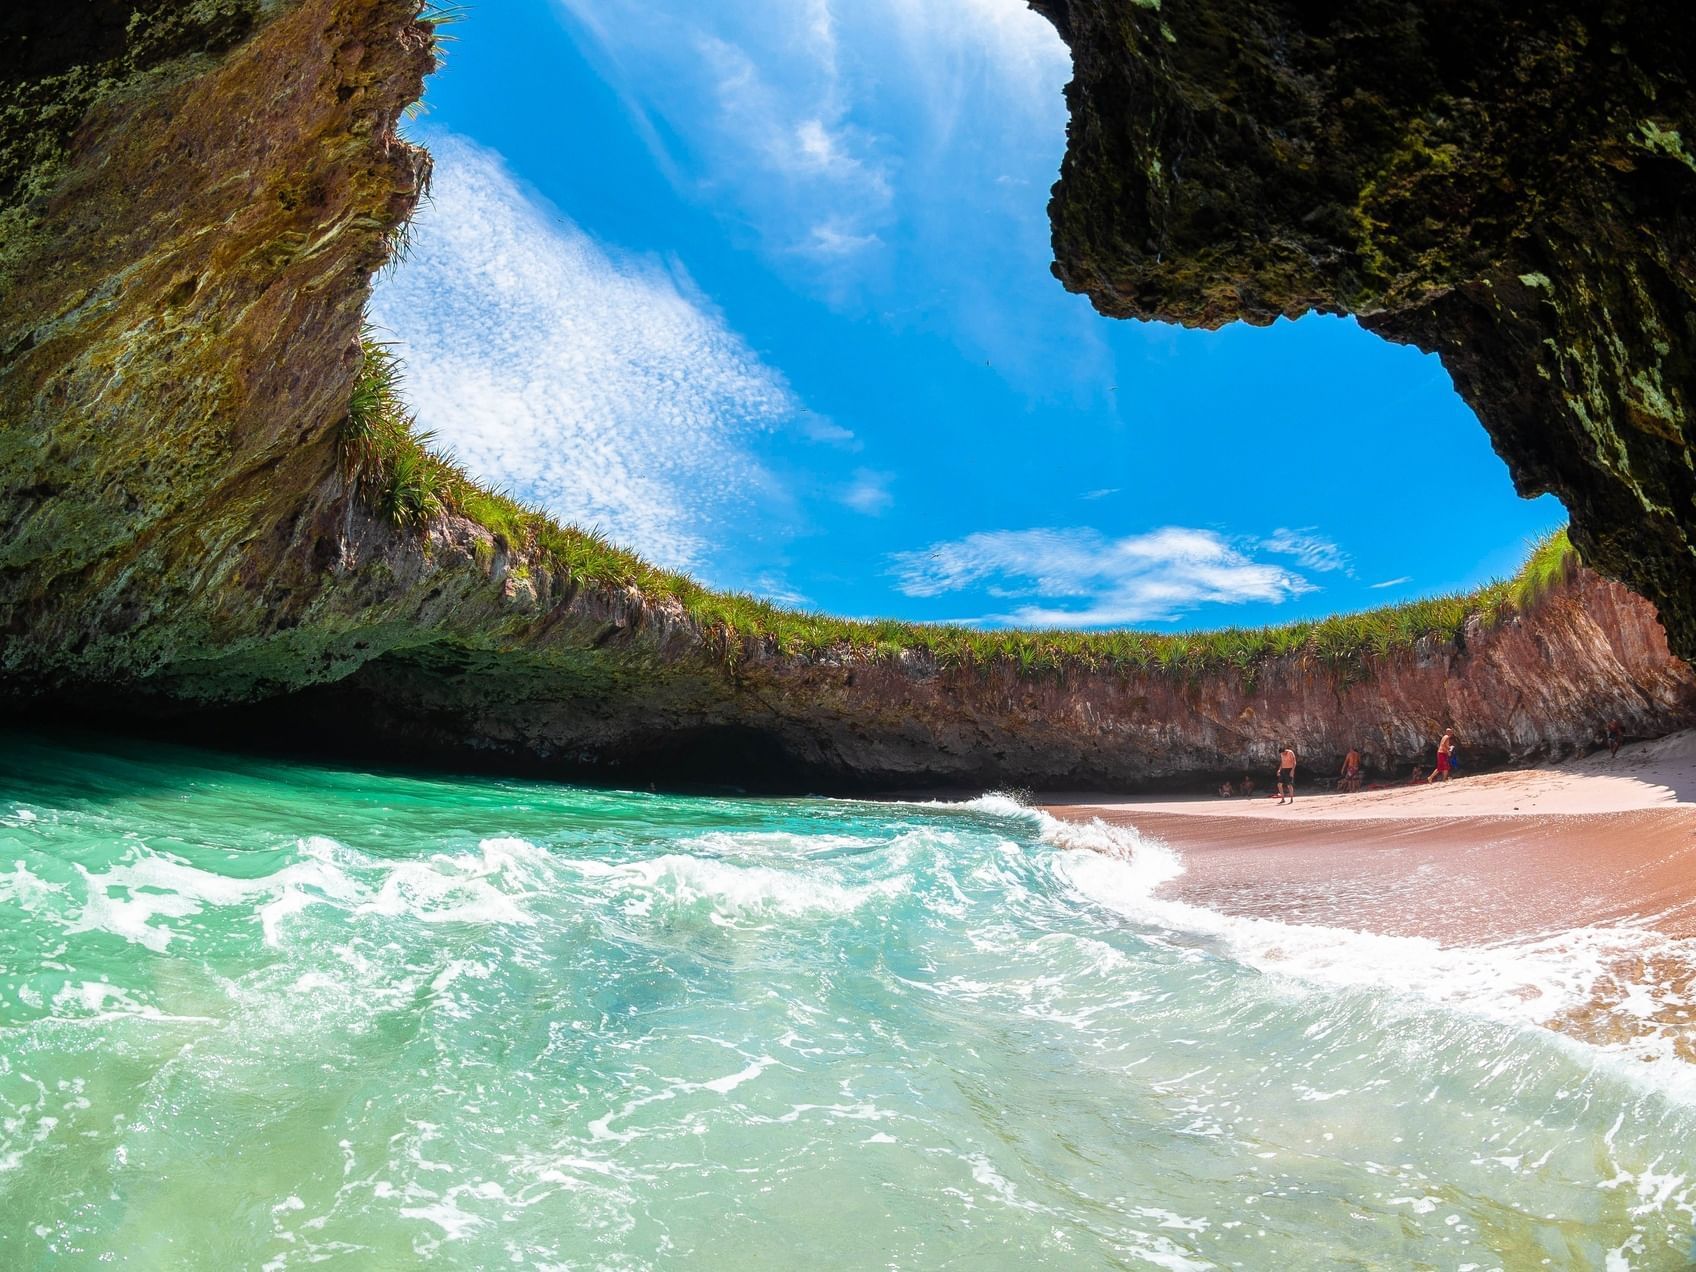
1444, 747
1287, 775
1351, 771
1615, 734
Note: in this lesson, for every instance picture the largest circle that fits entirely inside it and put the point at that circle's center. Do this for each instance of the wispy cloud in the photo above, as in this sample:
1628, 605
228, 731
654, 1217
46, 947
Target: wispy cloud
1306, 545
607, 389
1099, 494
1406, 578
816, 428
763, 109
836, 237
1078, 578
829, 124
778, 590
869, 492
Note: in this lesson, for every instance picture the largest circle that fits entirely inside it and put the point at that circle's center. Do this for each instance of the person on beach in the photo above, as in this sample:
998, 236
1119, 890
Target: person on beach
1287, 775
1247, 787
1616, 734
1350, 771
1445, 748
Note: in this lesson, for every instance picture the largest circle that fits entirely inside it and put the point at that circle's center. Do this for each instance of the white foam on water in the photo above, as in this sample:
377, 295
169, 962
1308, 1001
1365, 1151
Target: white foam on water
24, 888
728, 1083
783, 843
736, 892
1530, 983
161, 887
994, 803
137, 899
1000, 804
130, 918
425, 891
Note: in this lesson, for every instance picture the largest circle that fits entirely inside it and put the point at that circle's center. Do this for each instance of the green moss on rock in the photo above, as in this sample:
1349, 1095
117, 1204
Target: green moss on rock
1507, 186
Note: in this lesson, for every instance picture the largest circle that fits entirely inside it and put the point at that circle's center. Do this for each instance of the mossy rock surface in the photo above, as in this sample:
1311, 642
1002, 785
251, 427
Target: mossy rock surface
1509, 185
214, 499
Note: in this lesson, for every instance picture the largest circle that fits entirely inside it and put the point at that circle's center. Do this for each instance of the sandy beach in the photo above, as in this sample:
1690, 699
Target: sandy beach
1488, 857
1499, 860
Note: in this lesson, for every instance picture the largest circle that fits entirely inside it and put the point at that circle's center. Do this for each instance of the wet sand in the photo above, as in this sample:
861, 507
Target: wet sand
1486, 858
1494, 860
1458, 880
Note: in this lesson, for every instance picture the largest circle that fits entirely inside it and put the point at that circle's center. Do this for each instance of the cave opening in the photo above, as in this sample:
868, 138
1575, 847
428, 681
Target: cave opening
916, 424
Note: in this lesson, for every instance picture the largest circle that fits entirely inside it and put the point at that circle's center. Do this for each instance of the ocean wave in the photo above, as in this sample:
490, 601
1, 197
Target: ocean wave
779, 843
145, 899
735, 893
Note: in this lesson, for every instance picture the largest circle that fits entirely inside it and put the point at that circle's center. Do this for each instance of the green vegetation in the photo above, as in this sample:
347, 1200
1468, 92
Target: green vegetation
386, 455
1550, 564
389, 460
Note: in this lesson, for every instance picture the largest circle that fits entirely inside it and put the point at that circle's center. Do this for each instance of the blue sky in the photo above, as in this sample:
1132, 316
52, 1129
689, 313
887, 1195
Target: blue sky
761, 289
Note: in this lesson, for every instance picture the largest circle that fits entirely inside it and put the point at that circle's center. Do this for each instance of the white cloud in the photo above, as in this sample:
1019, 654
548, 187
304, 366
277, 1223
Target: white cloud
816, 428
956, 49
869, 492
605, 389
778, 590
836, 237
770, 123
833, 127
1313, 550
1099, 494
1135, 579
1406, 578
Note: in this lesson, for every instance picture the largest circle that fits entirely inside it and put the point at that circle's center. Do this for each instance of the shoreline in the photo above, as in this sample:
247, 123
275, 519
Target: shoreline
1482, 859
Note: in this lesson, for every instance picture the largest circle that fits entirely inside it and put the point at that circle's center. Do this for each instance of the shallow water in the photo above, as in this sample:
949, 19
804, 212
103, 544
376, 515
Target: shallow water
262, 1014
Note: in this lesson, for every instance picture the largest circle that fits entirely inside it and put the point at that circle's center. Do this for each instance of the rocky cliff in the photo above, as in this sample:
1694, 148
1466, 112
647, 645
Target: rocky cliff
1508, 183
647, 703
194, 198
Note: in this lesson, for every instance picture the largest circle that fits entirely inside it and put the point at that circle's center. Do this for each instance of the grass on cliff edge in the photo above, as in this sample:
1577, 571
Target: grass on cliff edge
389, 461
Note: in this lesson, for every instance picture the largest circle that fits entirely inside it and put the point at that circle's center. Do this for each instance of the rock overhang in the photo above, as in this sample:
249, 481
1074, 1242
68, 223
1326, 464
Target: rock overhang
1507, 185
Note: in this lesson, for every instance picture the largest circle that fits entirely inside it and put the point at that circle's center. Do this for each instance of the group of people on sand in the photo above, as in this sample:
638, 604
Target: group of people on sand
1352, 774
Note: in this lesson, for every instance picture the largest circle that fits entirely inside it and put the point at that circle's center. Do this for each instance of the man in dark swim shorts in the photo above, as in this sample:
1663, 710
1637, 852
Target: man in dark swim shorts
1287, 775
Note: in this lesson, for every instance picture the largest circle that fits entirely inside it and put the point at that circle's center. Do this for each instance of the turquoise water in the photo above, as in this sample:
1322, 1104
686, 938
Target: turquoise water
262, 1014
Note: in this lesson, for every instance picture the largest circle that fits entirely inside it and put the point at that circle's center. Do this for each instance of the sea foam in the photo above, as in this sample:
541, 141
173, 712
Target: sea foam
1544, 982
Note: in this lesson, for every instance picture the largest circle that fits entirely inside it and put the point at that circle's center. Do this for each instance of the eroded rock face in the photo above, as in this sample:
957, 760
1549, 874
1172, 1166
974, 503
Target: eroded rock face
195, 198
1538, 685
186, 269
1511, 185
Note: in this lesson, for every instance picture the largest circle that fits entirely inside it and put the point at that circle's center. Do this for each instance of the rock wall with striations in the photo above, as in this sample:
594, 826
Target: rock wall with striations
194, 198
1508, 183
1527, 687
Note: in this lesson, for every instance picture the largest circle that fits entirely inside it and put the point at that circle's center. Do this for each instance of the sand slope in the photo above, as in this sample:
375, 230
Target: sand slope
1481, 859
1645, 775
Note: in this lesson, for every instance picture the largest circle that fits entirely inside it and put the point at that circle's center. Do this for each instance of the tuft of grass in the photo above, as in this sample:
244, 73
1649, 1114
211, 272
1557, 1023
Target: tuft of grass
389, 461
441, 13
1550, 564
385, 455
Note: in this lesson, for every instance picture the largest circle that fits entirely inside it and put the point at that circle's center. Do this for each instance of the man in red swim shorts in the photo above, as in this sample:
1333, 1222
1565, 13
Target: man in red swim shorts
1443, 748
